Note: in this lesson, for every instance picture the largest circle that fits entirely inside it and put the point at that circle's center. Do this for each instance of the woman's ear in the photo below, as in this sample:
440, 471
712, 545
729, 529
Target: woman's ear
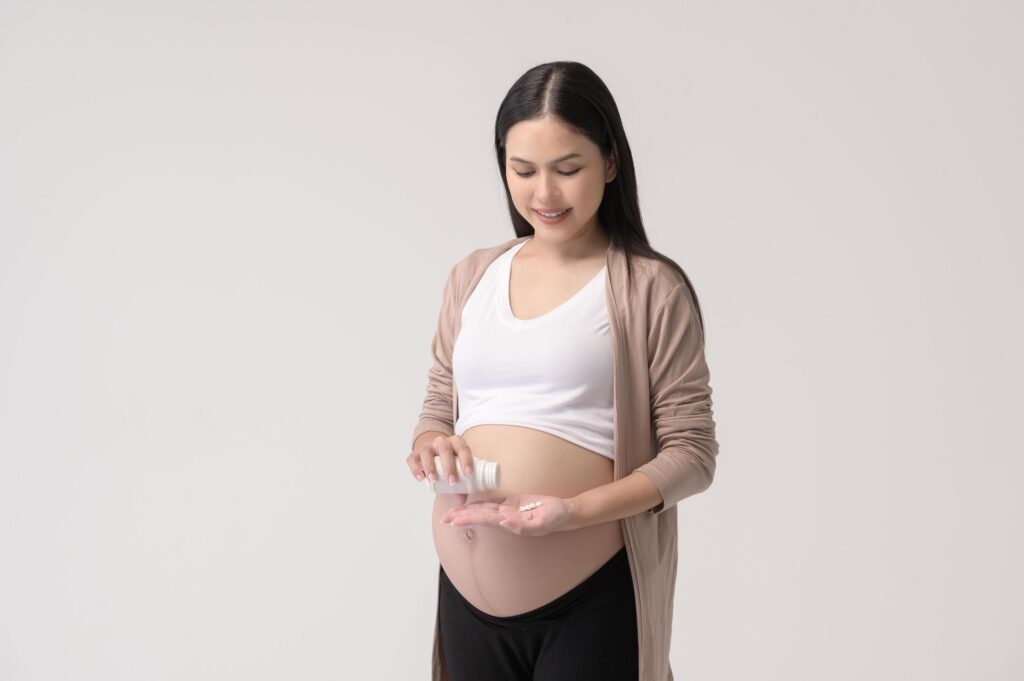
611, 168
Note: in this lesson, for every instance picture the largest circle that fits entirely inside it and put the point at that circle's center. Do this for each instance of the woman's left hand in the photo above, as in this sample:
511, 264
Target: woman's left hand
541, 515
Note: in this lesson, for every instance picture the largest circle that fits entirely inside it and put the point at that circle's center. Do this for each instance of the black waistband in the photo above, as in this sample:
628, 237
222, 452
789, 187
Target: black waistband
611, 580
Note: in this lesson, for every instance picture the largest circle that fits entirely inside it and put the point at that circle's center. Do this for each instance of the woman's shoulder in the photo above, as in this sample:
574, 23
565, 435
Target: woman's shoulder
657, 269
659, 288
479, 258
657, 277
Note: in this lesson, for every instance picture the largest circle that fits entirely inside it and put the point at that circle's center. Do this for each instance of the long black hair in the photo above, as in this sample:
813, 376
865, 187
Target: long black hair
573, 94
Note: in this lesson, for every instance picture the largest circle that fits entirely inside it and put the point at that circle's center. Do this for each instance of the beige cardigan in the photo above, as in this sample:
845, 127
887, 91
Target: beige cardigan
663, 421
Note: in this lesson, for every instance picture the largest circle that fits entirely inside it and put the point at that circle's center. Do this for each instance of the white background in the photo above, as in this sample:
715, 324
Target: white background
224, 228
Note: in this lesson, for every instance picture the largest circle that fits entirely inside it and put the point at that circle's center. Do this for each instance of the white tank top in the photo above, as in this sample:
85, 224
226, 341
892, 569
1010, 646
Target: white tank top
552, 373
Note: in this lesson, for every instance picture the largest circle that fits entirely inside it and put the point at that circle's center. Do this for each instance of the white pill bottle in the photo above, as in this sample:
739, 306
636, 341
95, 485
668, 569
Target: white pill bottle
486, 476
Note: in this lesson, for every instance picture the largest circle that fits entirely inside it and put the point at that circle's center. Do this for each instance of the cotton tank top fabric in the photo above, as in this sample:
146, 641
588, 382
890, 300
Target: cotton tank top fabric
552, 373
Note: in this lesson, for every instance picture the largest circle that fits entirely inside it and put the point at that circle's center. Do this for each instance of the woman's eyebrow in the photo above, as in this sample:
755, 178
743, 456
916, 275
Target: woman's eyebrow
557, 160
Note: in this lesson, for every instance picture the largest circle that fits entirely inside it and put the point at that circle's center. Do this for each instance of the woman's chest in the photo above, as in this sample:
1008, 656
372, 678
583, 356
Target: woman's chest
568, 348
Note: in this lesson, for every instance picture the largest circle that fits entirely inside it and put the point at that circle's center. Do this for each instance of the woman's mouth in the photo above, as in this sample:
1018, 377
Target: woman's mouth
552, 217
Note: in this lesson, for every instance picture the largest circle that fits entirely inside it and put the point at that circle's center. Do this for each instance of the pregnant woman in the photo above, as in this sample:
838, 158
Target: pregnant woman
573, 356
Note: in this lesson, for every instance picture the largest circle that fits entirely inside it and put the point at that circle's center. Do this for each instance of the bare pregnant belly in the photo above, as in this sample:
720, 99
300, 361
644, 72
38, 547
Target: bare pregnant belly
506, 574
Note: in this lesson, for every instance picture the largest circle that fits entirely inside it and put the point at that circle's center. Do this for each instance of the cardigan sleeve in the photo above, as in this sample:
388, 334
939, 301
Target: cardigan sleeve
436, 411
681, 410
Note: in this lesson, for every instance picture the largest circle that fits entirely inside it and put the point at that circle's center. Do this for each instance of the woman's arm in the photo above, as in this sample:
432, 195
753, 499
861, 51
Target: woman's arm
622, 498
436, 411
681, 405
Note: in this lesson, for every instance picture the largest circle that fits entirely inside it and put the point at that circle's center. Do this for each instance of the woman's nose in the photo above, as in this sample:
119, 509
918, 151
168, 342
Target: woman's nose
547, 190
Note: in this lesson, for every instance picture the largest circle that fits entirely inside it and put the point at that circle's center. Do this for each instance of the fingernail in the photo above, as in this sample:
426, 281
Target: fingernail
451, 478
419, 476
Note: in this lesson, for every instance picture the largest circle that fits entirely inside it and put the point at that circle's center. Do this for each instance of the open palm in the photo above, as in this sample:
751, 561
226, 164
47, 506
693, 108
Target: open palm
548, 514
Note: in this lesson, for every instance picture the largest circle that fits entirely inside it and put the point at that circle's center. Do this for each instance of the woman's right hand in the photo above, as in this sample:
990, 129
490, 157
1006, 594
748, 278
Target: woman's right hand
450, 448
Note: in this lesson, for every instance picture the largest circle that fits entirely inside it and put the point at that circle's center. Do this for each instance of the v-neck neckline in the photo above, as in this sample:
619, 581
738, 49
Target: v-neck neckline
504, 297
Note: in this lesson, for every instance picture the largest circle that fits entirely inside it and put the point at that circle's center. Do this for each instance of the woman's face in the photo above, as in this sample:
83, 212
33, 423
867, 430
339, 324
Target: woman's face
551, 168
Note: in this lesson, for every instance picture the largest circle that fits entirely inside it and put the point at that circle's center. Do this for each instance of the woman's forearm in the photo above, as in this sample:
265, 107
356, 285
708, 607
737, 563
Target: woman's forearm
622, 498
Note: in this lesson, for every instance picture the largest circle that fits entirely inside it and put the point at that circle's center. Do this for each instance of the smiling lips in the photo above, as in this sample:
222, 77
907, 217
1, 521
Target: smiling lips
553, 217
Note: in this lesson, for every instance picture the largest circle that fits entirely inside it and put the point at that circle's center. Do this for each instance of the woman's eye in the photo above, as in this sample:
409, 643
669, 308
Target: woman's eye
572, 172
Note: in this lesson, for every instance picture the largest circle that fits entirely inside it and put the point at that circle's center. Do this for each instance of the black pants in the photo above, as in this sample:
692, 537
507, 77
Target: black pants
588, 633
